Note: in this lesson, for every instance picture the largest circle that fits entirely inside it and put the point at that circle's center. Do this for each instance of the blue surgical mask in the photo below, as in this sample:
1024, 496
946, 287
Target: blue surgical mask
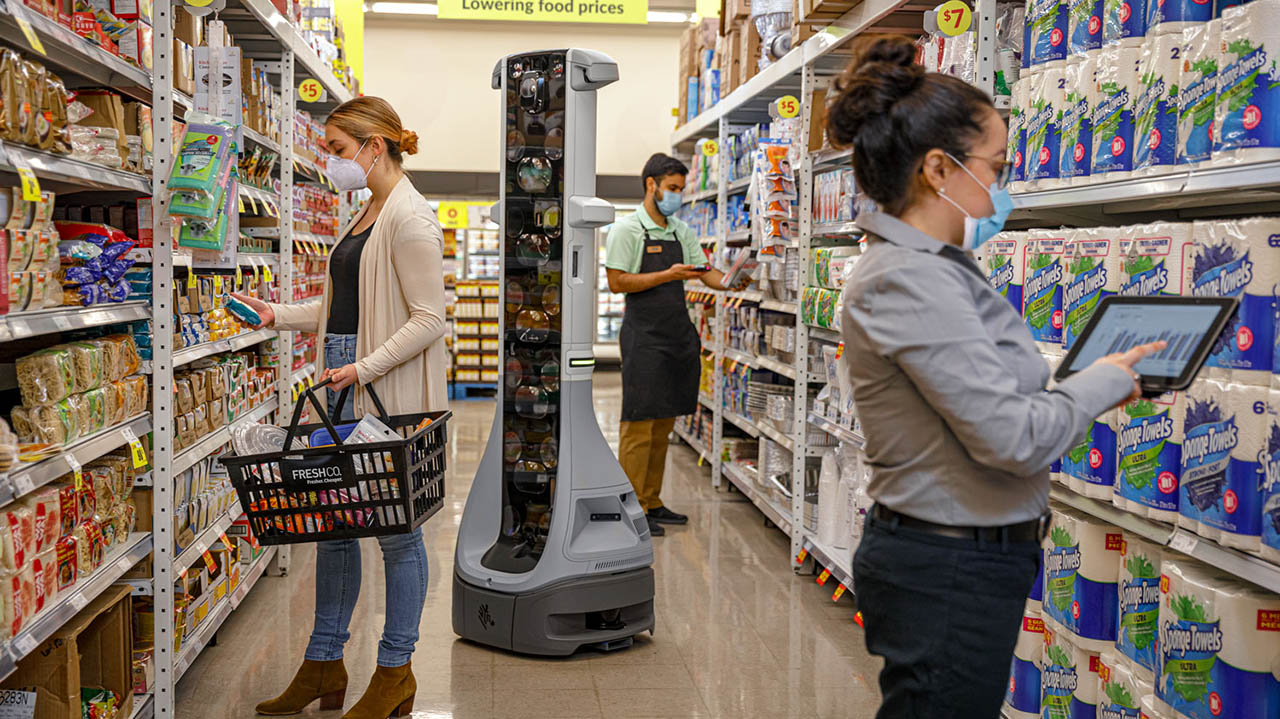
669, 204
977, 230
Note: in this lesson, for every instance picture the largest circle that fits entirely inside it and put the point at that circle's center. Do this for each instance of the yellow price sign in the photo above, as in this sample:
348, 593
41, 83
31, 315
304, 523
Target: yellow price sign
217, 284
226, 542
208, 560
954, 17
239, 277
788, 107
198, 3
266, 273
310, 90
835, 597
240, 200
77, 470
803, 555
822, 578
29, 32
710, 148
191, 278
30, 185
135, 448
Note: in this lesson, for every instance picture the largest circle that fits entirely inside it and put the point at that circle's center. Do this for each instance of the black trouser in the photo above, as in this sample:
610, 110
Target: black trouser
944, 614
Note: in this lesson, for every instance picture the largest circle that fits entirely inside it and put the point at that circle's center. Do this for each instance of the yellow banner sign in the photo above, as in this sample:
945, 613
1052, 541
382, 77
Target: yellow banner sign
597, 11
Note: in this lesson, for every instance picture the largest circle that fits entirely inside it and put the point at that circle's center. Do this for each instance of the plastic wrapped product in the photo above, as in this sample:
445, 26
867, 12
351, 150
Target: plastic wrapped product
21, 249
32, 117
55, 423
46, 376
86, 501
127, 361
11, 602
44, 251
135, 395
47, 508
76, 252
103, 487
79, 404
84, 550
113, 395
94, 232
117, 291
184, 394
44, 574
203, 160
19, 291
68, 508
21, 539
23, 424
68, 564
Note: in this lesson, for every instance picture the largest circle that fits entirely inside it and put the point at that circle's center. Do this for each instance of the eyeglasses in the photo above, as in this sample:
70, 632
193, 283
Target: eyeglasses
1002, 168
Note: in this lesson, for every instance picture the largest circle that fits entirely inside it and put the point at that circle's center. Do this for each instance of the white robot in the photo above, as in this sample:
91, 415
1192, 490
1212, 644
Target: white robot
553, 551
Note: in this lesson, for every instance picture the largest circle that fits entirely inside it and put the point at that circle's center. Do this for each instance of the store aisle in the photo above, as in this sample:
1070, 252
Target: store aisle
738, 634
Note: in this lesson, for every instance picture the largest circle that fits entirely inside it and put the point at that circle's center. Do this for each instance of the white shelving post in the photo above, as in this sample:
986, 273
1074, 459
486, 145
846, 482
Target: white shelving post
719, 326
985, 72
288, 98
799, 420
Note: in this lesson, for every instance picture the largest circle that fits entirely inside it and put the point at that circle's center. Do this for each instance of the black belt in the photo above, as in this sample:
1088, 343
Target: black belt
1032, 530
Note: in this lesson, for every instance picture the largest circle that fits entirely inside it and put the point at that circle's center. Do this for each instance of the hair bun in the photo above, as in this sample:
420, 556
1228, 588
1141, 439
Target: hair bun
408, 142
882, 72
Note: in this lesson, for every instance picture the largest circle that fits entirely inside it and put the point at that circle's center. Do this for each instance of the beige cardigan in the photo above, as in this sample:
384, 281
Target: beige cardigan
400, 330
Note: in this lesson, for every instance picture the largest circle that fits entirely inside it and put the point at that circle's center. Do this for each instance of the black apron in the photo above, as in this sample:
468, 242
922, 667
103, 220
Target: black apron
660, 346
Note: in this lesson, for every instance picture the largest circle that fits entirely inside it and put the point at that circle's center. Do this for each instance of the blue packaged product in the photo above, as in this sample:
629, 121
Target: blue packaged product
1117, 86
1085, 26
1248, 107
1241, 259
1177, 15
1075, 158
1270, 548
1197, 94
1003, 265
1155, 112
1069, 680
1124, 19
1022, 698
1046, 101
1139, 597
1042, 286
1121, 685
1149, 456
1081, 568
1048, 36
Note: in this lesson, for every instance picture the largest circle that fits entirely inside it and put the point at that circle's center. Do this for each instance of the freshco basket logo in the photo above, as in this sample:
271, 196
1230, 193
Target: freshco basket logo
310, 473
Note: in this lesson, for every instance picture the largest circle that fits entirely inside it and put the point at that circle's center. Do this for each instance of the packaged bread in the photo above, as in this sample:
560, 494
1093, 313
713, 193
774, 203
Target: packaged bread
137, 394
47, 510
46, 376
111, 359
86, 501
57, 98
68, 561
44, 571
124, 355
20, 540
11, 602
198, 385
113, 396
22, 248
68, 507
17, 105
87, 360
184, 398
34, 77
97, 401
79, 405
7, 57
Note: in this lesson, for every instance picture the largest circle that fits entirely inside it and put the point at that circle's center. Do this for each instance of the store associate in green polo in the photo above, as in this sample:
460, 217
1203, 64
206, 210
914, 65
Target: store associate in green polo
649, 256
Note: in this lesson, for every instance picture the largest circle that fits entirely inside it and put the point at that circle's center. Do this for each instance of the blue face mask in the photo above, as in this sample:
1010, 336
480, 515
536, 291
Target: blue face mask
977, 230
669, 204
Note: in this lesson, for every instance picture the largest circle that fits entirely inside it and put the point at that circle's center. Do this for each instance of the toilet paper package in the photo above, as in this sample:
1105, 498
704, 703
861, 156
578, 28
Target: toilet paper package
1075, 148
1042, 286
1047, 20
1016, 142
1155, 111
1219, 644
1081, 568
1240, 258
1084, 26
1223, 462
1121, 685
1197, 92
1002, 264
1177, 15
1092, 260
1124, 20
1270, 548
1046, 99
1116, 89
1248, 107
1139, 592
1157, 260
1149, 456
1069, 678
1022, 698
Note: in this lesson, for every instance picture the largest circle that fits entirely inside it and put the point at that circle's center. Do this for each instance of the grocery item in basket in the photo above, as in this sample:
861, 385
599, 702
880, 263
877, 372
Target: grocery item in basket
45, 376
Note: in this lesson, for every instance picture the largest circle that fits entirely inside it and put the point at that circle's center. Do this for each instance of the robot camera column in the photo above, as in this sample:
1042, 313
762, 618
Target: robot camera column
553, 551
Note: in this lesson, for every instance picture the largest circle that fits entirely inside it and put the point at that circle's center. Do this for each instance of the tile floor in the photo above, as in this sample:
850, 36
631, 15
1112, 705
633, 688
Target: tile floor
738, 633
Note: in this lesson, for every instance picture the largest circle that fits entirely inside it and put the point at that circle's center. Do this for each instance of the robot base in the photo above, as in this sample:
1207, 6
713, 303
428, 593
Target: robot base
559, 619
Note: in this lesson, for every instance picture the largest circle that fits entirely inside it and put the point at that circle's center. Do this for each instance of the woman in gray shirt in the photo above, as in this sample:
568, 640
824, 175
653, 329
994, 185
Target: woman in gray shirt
950, 390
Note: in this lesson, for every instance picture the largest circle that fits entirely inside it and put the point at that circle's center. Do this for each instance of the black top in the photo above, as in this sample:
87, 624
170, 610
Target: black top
344, 269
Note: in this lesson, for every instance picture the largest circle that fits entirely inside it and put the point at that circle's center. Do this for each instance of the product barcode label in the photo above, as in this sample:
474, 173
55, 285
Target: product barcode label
61, 322
135, 448
17, 704
78, 601
25, 644
1183, 542
22, 484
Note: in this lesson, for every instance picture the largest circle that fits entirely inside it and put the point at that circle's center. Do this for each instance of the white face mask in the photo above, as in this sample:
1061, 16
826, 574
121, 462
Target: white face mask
348, 174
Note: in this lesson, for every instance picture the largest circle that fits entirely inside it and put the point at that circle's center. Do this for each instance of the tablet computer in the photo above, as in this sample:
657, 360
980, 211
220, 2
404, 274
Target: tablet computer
1190, 326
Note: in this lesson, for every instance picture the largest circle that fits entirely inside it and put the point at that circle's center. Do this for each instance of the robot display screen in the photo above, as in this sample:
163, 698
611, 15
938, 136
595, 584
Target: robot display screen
532, 259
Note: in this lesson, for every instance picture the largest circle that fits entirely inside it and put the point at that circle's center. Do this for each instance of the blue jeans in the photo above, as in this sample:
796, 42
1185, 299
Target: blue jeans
404, 560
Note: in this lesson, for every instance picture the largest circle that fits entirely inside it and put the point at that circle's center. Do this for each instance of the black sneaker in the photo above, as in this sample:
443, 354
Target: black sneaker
655, 529
666, 516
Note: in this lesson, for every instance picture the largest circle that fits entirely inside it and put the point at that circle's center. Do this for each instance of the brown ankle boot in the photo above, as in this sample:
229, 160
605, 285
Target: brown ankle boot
326, 681
390, 694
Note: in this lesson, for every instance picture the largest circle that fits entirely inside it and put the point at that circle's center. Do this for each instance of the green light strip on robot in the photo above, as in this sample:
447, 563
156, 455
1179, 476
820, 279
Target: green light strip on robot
584, 362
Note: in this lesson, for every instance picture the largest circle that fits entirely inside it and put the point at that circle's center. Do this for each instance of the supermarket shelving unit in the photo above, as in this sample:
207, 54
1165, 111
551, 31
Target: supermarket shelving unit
266, 36
1184, 194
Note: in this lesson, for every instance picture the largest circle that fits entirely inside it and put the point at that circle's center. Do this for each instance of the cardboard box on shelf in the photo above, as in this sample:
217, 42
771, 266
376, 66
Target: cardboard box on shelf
817, 120
131, 9
749, 52
736, 10
135, 44
187, 27
94, 649
184, 79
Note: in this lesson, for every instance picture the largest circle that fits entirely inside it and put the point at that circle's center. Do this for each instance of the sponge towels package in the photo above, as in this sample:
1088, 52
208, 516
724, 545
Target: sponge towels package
1116, 89
1155, 111
1149, 456
1016, 142
1047, 20
1081, 567
1075, 153
1139, 591
1197, 92
1092, 271
1271, 482
1219, 645
1177, 15
1042, 286
1090, 466
1046, 100
1002, 264
1084, 26
1121, 685
1222, 472
1158, 260
1248, 108
1069, 681
1022, 698
1241, 259
1124, 21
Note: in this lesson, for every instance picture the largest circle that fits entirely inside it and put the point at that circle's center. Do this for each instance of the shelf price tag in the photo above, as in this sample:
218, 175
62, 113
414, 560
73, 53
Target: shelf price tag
788, 106
19, 12
240, 200
76, 469
135, 448
954, 17
839, 350
835, 597
266, 273
1182, 541
239, 277
226, 542
310, 90
22, 484
822, 578
30, 184
217, 284
803, 555
62, 322
191, 278
208, 560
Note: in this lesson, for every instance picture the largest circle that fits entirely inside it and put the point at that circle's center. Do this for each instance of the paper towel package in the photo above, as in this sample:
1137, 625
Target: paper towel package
1270, 548
1081, 568
1139, 589
1177, 15
1084, 26
1046, 99
1248, 109
1016, 140
1022, 698
1002, 264
1121, 684
1241, 259
1036, 597
1223, 462
1219, 644
1042, 285
1048, 22
1075, 148
1069, 677
1154, 708
1092, 271
1090, 466
1197, 92
1124, 20
1157, 260
1155, 112
1115, 89
1149, 456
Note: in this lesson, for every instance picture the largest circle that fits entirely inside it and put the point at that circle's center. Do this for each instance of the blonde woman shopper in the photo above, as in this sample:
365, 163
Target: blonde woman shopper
381, 323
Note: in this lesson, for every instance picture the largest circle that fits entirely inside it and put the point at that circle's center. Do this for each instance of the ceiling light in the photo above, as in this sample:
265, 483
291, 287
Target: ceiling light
405, 8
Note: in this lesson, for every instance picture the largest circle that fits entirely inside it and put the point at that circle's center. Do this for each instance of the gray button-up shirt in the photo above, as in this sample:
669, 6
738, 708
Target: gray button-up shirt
950, 387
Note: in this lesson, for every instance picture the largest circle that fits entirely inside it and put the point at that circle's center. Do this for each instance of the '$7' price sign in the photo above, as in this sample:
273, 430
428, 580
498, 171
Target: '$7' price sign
954, 17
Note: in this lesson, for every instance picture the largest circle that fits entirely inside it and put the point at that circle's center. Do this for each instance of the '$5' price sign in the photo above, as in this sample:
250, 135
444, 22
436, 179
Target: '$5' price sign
310, 90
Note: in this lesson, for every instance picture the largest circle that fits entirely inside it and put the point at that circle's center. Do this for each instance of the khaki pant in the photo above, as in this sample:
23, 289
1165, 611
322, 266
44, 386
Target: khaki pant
642, 452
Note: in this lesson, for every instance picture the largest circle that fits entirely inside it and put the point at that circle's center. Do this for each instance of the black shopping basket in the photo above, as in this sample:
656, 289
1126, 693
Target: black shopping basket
344, 490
